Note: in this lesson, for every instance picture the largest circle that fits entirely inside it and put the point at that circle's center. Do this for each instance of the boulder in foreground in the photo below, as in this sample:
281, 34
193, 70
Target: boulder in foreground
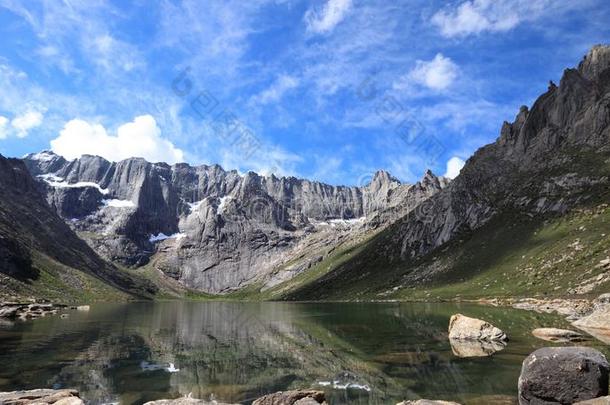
41, 397
563, 375
292, 398
464, 328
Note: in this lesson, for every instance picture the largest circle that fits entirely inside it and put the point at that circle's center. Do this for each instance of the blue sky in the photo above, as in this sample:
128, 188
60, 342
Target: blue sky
331, 90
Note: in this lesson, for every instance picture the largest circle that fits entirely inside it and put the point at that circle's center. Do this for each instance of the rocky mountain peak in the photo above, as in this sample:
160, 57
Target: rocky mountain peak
383, 179
595, 62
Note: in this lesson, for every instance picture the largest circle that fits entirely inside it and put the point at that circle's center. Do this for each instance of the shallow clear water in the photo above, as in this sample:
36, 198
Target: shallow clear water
236, 352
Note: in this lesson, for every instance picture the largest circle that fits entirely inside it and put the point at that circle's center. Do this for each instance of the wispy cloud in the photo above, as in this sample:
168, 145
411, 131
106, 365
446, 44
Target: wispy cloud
477, 16
325, 20
25, 122
276, 91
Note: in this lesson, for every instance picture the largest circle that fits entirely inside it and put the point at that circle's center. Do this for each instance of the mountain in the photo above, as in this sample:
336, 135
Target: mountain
212, 230
528, 214
41, 256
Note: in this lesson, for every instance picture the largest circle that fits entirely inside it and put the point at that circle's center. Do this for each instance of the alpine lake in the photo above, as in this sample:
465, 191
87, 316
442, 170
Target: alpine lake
235, 352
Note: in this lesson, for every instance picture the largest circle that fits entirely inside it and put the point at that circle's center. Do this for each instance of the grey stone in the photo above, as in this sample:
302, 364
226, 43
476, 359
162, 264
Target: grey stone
563, 375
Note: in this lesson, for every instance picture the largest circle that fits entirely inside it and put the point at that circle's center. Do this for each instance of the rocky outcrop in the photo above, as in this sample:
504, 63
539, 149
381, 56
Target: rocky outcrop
471, 329
597, 322
23, 311
558, 335
41, 397
292, 398
31, 232
572, 309
212, 230
563, 375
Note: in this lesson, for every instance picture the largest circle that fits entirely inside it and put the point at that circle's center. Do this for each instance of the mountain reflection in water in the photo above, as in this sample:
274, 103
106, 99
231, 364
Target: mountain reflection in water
237, 352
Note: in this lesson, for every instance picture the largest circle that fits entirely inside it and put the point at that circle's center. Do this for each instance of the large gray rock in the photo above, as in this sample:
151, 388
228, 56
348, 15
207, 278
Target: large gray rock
563, 375
464, 328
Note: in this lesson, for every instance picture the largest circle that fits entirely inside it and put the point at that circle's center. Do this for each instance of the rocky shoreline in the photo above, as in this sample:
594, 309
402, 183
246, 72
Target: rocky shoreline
11, 311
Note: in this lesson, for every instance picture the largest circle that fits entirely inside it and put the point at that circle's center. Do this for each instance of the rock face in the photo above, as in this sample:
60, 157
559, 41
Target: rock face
563, 375
558, 335
213, 230
41, 397
471, 329
31, 230
292, 398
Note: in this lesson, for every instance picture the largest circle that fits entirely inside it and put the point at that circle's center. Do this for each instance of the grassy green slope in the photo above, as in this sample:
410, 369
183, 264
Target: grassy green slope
513, 255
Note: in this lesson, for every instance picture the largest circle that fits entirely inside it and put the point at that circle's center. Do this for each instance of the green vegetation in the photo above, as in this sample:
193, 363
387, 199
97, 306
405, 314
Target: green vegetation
511, 256
59, 283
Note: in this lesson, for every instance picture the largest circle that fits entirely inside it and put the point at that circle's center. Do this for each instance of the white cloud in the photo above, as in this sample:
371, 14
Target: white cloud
437, 74
3, 124
325, 20
139, 138
454, 166
277, 90
476, 16
25, 122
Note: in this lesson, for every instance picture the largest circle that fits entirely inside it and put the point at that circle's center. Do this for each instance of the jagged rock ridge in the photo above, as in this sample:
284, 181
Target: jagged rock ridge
211, 229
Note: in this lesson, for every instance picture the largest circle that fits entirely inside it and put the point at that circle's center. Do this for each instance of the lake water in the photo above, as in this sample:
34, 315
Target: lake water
236, 352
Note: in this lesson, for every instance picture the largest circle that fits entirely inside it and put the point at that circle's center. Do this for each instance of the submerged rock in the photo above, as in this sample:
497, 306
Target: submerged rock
475, 348
563, 375
558, 335
292, 398
41, 397
464, 328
